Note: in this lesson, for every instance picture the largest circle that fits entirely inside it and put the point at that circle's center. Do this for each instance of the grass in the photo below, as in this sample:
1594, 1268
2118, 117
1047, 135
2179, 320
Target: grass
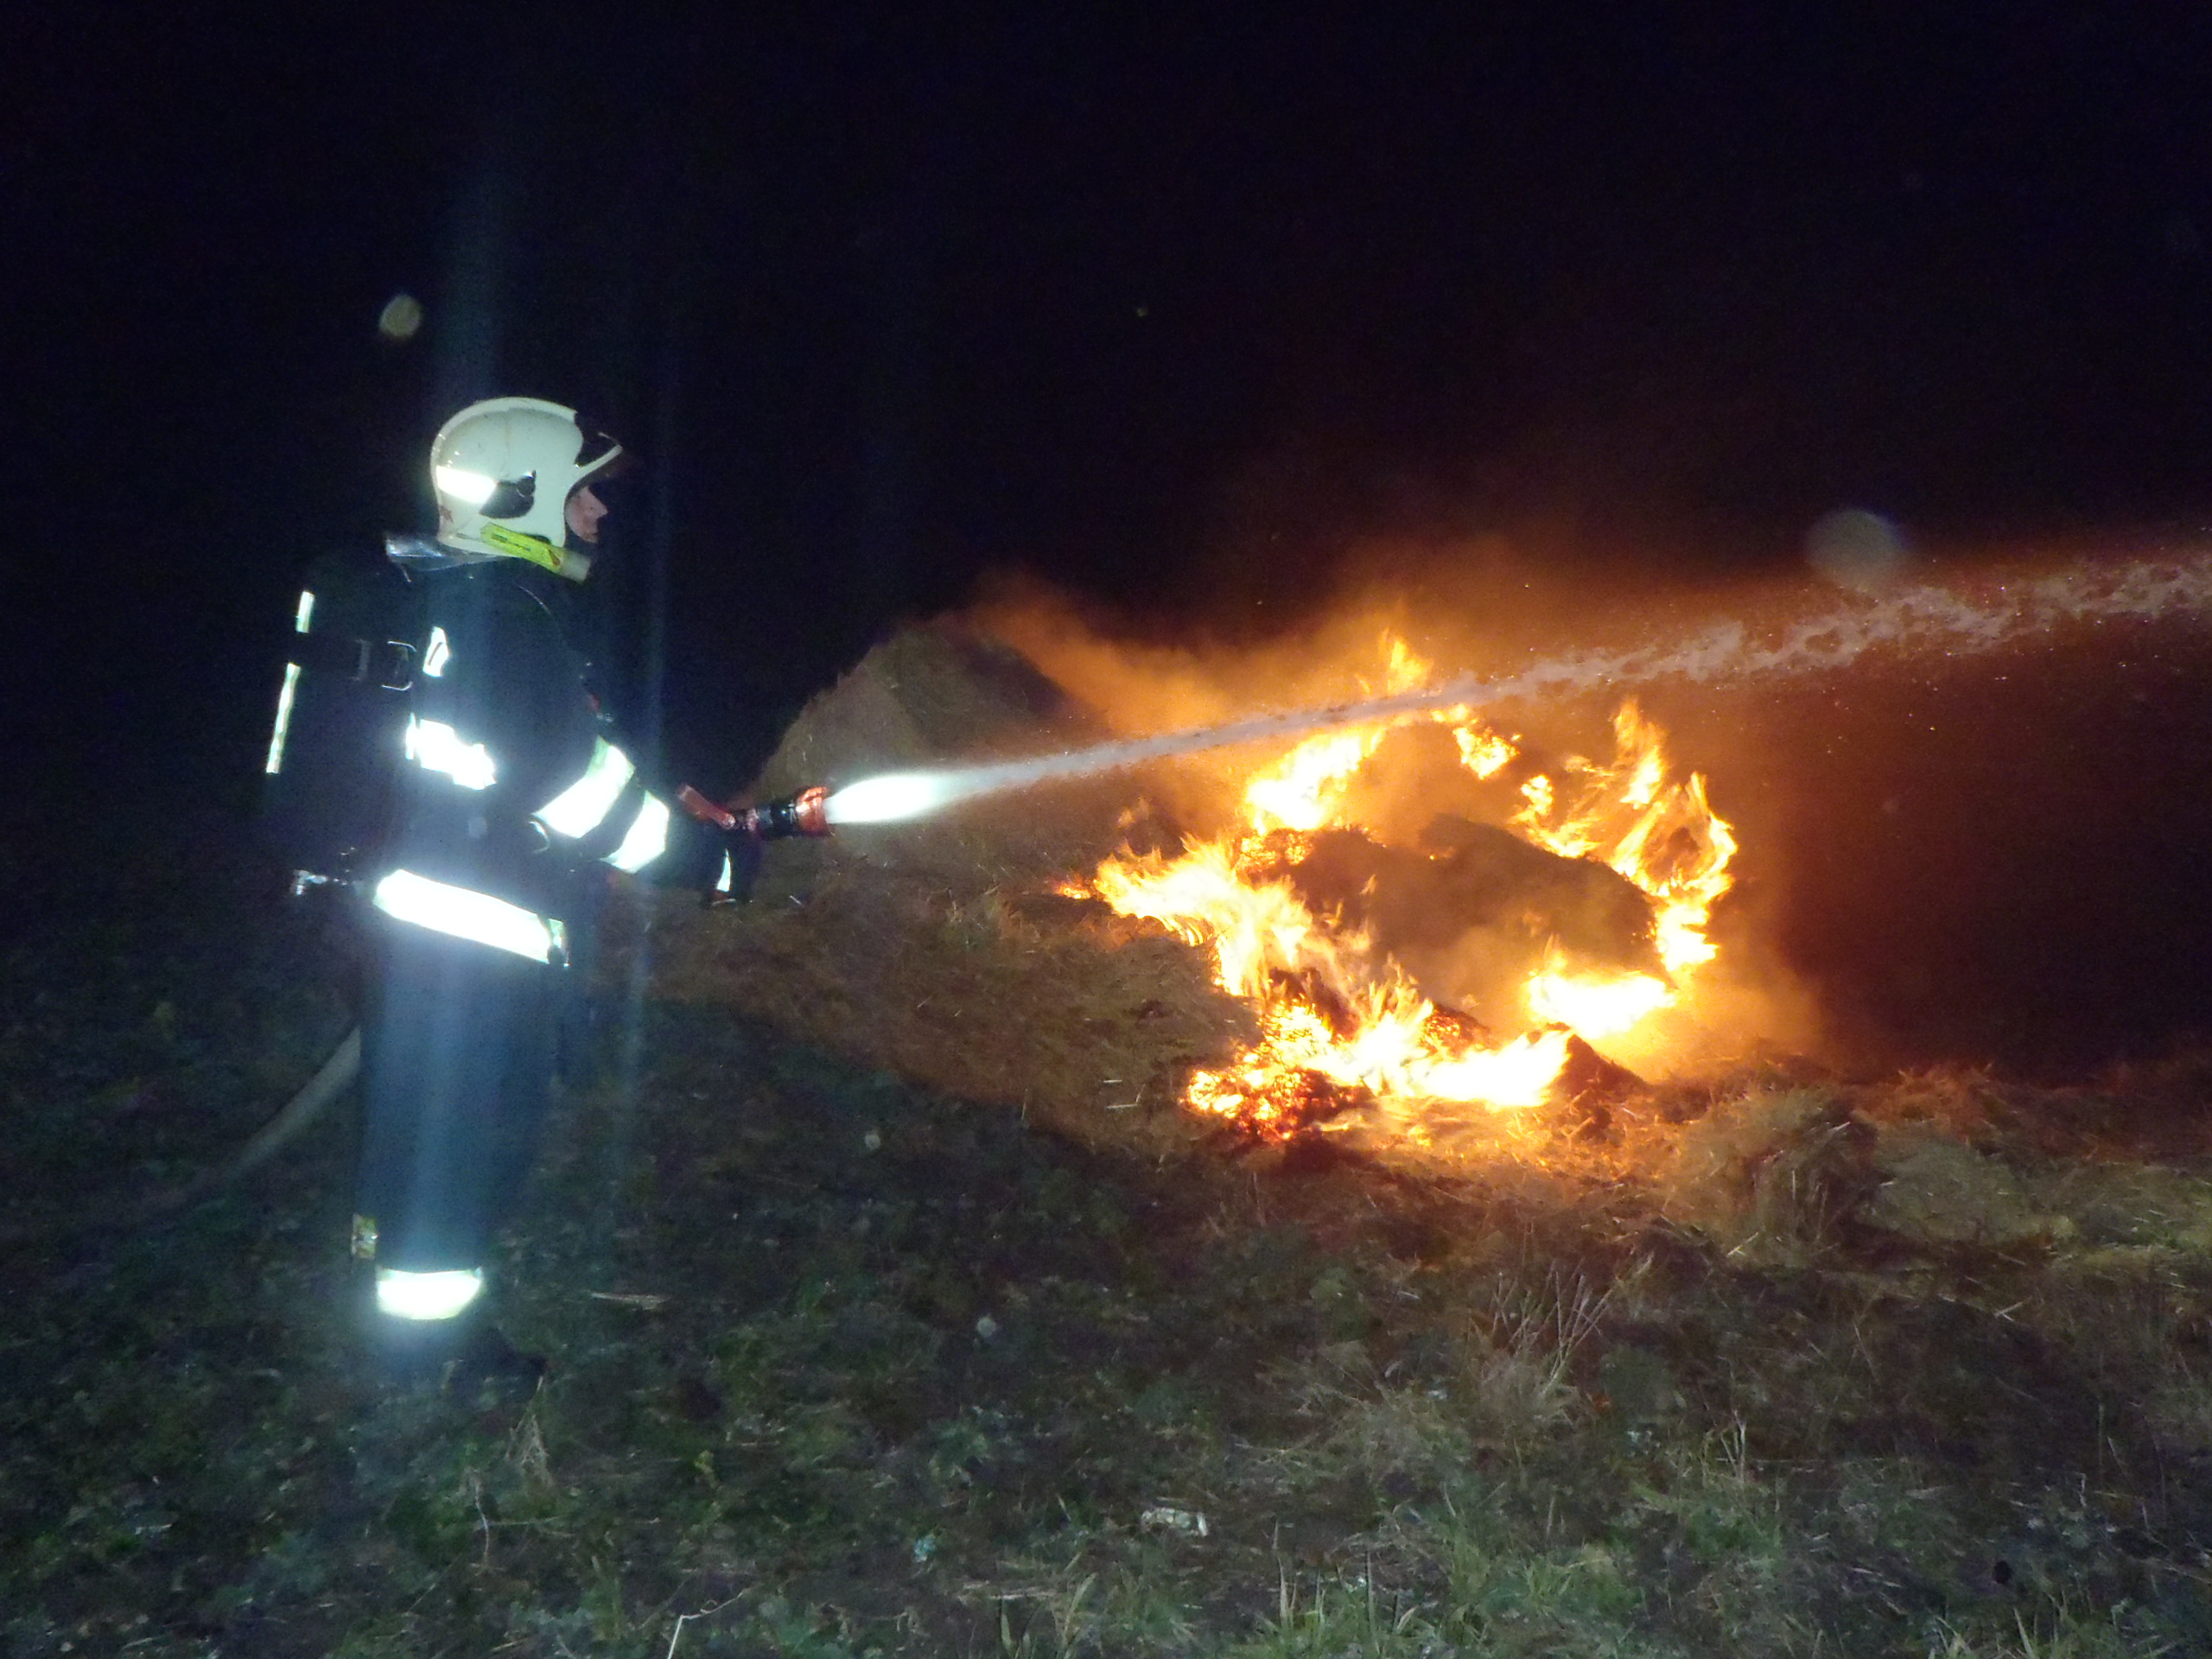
849, 1360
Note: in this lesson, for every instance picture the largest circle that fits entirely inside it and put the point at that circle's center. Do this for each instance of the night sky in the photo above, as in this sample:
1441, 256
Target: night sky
1166, 309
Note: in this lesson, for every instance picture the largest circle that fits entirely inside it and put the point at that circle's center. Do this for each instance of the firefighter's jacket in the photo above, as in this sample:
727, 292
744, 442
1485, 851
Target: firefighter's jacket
515, 792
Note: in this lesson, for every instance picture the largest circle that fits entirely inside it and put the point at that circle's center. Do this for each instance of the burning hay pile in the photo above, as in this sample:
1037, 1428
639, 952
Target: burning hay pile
943, 948
1458, 979
1411, 935
1426, 955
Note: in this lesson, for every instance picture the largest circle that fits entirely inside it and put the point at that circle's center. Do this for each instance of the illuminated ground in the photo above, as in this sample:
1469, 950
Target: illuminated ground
843, 1364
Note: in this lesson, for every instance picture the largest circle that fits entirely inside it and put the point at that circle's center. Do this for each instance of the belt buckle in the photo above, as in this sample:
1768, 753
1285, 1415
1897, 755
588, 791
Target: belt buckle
401, 676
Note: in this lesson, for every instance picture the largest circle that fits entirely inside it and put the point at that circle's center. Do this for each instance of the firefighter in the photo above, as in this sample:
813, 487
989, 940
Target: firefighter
517, 797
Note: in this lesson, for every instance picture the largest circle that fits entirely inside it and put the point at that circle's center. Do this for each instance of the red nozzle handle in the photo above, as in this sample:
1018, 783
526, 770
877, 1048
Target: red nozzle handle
704, 810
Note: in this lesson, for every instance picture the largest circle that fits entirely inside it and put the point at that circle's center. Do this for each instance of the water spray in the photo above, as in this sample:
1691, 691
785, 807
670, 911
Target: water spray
1921, 618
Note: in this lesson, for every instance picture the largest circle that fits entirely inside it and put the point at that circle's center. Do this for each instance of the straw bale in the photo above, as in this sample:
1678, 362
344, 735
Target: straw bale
928, 694
1768, 1171
943, 694
1087, 1021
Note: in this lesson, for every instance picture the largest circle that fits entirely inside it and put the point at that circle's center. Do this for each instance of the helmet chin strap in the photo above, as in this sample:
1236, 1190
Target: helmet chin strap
561, 561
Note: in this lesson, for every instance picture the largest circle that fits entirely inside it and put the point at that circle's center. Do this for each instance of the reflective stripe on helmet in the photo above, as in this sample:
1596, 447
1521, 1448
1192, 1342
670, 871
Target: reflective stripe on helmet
463, 484
583, 805
436, 747
647, 840
535, 549
426, 1295
436, 654
463, 913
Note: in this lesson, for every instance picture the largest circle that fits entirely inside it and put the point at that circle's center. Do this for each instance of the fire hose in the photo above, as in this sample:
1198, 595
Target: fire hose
331, 1078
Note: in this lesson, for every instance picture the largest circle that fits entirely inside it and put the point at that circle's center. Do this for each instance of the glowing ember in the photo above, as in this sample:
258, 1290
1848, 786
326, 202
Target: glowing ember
1341, 1025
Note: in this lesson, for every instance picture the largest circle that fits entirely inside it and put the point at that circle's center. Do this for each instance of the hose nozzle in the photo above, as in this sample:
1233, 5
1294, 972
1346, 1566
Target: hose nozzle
803, 814
795, 815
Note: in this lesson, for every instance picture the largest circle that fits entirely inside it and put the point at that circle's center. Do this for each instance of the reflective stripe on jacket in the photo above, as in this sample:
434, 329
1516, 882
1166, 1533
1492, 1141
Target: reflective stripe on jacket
514, 787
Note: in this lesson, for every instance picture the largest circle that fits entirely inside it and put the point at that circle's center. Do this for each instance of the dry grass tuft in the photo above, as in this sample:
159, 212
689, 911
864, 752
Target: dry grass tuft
1768, 1172
1937, 1189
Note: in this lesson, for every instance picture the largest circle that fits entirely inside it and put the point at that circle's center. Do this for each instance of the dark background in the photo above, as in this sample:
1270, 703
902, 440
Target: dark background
1166, 309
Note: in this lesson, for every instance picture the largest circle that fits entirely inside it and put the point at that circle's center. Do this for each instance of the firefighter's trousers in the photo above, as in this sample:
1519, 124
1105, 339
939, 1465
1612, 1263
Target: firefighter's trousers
458, 1065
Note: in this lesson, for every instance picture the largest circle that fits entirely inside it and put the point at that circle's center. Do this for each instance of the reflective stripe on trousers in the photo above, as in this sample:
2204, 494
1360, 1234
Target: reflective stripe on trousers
464, 913
444, 1295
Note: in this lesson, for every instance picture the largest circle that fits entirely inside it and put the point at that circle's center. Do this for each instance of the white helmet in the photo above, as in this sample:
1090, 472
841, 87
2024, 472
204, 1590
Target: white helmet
503, 470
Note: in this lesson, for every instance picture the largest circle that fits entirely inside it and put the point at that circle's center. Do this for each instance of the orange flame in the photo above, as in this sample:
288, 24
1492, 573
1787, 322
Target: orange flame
1301, 792
1661, 835
1596, 1005
1340, 1023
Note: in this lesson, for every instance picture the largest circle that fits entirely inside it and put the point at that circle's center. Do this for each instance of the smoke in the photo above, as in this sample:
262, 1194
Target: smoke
1796, 699
1926, 618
